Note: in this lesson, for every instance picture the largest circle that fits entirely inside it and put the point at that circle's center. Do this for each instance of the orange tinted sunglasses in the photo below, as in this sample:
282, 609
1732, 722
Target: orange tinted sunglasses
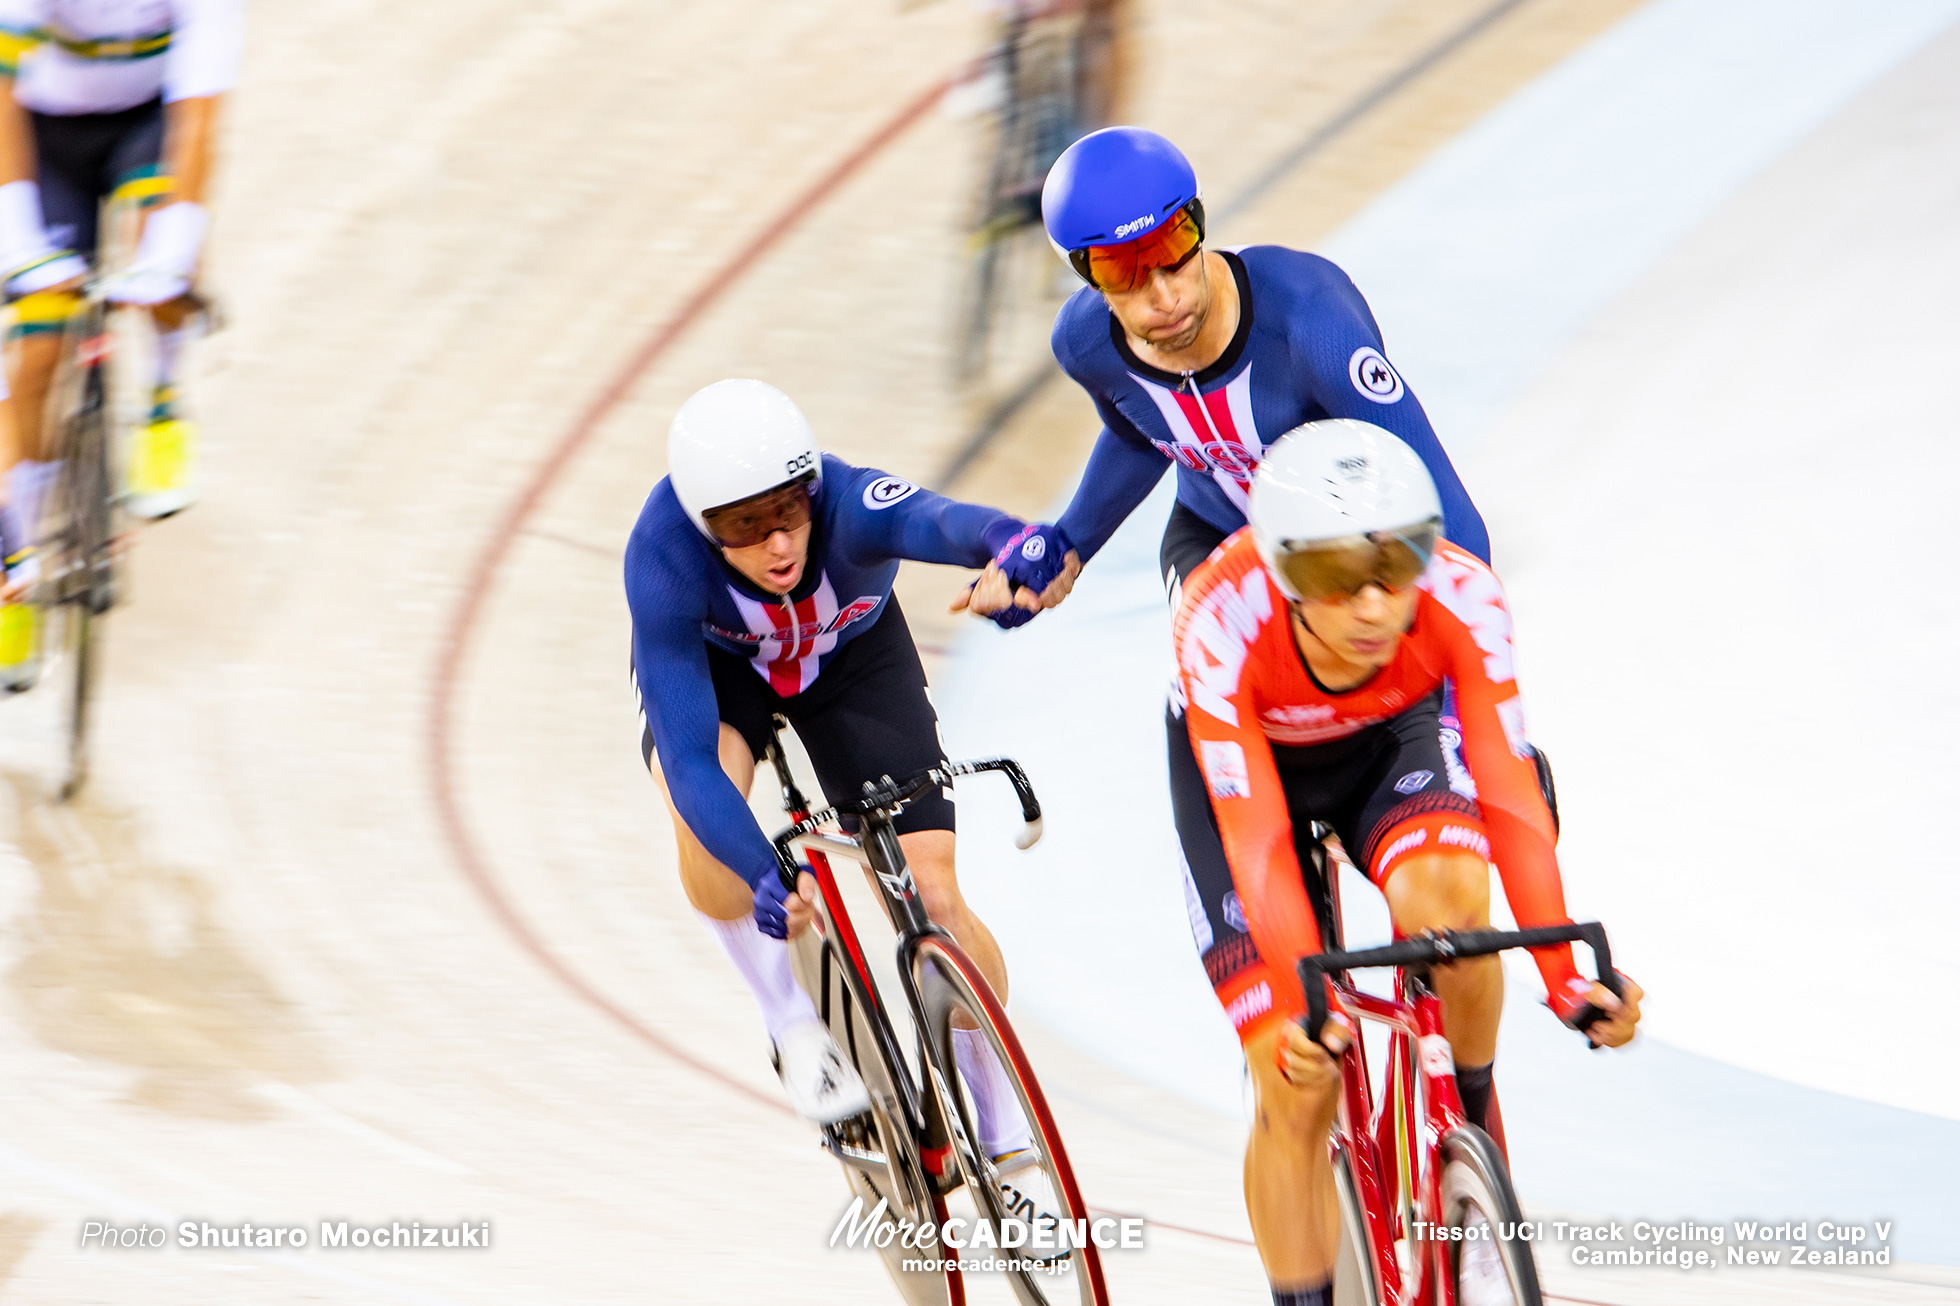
1126, 267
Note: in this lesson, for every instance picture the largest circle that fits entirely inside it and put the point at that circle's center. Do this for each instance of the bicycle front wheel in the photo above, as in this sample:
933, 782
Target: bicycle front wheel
1488, 1264
87, 586
1060, 1265
877, 1150
1356, 1278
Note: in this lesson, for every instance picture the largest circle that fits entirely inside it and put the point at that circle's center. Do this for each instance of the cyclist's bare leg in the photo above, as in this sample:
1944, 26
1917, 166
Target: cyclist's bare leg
31, 362
930, 855
1451, 891
1289, 1180
712, 888
810, 1073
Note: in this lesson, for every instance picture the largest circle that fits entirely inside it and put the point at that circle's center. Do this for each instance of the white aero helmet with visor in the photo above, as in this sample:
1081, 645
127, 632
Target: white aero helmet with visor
1339, 505
744, 462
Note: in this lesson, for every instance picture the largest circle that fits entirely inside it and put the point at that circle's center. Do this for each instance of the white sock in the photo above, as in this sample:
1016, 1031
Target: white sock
170, 348
764, 963
996, 1109
27, 485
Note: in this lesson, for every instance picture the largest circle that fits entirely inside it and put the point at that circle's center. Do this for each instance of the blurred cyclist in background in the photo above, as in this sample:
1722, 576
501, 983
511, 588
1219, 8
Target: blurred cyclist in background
1056, 69
759, 579
102, 96
1312, 649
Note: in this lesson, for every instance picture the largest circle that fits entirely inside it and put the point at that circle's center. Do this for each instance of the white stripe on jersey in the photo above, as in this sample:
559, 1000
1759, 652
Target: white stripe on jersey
1238, 400
761, 619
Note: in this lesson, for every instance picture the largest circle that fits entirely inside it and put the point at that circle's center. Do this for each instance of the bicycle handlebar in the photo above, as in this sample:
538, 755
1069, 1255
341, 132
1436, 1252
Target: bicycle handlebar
1449, 945
890, 797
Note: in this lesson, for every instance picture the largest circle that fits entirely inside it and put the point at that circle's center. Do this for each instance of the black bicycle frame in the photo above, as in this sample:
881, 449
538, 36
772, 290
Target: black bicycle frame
878, 837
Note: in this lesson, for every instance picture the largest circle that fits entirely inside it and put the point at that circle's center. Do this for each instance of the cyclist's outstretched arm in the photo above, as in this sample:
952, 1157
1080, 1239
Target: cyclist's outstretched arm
1123, 469
26, 251
1332, 353
677, 693
884, 517
200, 68
1241, 777
1523, 837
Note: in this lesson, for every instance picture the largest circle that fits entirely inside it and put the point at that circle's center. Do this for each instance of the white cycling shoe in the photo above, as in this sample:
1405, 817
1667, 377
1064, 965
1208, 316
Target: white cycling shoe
822, 1086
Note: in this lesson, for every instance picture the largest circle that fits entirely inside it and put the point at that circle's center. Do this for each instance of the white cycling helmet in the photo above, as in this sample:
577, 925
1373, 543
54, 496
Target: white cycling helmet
1339, 504
734, 440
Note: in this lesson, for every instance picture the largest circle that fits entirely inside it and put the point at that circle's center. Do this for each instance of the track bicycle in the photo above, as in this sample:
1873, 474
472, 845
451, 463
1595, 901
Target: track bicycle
1059, 65
917, 1145
1428, 1213
79, 521
81, 527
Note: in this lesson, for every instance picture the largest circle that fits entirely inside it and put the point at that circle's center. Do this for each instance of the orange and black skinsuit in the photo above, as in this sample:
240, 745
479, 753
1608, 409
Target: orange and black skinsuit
1277, 749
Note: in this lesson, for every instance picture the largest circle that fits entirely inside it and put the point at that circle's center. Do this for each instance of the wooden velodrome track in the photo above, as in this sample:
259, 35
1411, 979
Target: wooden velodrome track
369, 913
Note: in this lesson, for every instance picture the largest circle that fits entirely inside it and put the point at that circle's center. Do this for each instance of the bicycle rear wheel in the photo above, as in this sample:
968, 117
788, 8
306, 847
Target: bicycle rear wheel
1485, 1267
950, 985
878, 1154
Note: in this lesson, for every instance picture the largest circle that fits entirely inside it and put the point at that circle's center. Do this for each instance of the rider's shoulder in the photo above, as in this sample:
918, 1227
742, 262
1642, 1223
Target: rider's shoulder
1454, 564
1233, 575
1293, 275
1080, 336
1460, 583
850, 491
664, 542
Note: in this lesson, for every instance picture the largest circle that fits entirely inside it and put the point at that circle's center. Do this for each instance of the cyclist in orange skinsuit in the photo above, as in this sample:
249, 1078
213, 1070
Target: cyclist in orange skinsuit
1312, 647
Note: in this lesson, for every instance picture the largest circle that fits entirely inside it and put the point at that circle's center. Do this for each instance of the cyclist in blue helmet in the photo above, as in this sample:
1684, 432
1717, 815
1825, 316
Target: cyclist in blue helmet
1199, 358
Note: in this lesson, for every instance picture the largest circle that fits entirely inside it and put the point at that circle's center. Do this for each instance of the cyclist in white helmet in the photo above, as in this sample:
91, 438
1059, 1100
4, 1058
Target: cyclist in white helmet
759, 579
1312, 647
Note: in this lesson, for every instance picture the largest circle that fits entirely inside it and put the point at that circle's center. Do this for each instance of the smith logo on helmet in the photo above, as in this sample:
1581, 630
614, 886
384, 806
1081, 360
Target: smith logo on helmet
1140, 224
1353, 468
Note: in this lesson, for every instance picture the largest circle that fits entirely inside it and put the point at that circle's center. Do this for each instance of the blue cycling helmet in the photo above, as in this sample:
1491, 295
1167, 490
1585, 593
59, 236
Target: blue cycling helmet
1114, 186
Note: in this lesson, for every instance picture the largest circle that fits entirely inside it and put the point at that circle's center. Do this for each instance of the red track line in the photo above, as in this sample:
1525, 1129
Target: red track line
442, 771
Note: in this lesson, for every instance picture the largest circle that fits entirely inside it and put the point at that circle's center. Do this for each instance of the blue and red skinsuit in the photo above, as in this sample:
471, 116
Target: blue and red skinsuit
1306, 348
683, 597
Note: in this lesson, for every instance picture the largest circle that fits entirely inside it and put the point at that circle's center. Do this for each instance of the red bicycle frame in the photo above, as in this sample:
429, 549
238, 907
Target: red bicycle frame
1392, 1149
1391, 1157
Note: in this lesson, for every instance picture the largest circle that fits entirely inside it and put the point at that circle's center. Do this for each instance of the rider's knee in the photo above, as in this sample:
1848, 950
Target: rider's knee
1289, 1112
1447, 889
930, 855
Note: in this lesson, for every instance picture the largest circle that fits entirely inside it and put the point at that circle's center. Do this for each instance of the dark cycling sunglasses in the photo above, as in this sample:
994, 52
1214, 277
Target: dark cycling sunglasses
1126, 267
748, 522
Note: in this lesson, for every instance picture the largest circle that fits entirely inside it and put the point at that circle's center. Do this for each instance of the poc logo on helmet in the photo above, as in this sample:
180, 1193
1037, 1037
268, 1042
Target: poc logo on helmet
1131, 228
801, 463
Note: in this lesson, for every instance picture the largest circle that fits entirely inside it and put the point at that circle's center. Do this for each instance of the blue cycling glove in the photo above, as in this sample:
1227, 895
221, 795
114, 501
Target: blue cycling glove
1031, 560
771, 916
